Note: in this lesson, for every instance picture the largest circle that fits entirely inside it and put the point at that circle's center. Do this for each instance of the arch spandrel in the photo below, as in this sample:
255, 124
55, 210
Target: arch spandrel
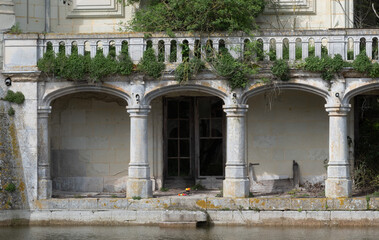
359, 87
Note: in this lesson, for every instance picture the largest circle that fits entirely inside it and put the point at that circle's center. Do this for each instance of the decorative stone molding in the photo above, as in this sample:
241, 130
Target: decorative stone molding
95, 8
291, 6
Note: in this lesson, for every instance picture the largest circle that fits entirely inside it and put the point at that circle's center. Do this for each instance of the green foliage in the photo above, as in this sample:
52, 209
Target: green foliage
75, 67
362, 63
327, 66
253, 51
281, 70
150, 65
102, 66
164, 189
374, 71
188, 69
10, 187
11, 111
136, 198
47, 63
15, 29
234, 70
197, 15
15, 97
125, 63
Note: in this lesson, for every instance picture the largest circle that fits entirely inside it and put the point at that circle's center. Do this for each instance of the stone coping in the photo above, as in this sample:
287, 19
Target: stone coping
258, 33
184, 218
211, 203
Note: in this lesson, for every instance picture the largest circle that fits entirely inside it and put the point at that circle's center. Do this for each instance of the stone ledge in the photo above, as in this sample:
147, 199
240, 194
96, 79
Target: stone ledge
210, 203
167, 218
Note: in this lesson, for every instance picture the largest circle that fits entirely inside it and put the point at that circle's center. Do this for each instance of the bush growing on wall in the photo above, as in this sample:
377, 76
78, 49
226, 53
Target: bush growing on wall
197, 15
15, 97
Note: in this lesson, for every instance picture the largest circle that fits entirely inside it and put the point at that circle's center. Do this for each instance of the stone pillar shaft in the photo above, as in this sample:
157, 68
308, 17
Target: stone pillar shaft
44, 178
139, 183
236, 183
338, 183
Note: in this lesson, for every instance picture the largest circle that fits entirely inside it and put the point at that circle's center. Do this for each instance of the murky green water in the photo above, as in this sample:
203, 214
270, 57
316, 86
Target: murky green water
213, 233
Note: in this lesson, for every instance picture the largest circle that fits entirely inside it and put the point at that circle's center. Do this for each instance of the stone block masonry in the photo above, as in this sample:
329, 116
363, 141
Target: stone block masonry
192, 211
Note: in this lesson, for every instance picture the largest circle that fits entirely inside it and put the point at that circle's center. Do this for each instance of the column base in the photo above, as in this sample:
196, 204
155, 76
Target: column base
236, 188
139, 188
45, 189
336, 188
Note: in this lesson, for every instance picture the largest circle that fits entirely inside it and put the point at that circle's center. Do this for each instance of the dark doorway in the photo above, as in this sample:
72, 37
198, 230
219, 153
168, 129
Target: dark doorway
366, 167
193, 140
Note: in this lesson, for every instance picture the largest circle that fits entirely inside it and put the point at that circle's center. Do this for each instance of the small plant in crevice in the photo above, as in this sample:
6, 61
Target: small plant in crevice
10, 187
280, 70
198, 186
15, 97
11, 111
136, 198
15, 29
164, 189
188, 69
149, 64
220, 194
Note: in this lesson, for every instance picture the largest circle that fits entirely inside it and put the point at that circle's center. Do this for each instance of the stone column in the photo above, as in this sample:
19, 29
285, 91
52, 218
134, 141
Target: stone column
139, 183
44, 177
236, 183
338, 183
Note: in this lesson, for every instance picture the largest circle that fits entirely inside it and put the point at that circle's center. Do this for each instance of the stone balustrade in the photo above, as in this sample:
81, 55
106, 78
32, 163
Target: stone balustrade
22, 51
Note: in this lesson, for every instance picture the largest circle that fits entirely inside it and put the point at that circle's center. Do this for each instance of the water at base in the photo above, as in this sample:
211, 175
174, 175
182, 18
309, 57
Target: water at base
212, 233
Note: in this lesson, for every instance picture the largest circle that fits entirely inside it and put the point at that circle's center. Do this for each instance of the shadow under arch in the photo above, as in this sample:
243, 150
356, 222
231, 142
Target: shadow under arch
285, 86
48, 98
149, 96
359, 90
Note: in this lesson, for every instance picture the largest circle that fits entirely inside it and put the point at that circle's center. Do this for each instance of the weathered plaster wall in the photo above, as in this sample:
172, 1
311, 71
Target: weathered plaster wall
307, 14
31, 16
296, 128
90, 143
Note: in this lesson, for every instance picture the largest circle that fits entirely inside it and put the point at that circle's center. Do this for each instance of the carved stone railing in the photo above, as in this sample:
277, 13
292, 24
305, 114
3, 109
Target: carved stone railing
21, 52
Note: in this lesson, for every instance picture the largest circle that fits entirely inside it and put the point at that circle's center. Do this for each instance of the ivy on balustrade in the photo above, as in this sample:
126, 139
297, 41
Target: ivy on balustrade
237, 71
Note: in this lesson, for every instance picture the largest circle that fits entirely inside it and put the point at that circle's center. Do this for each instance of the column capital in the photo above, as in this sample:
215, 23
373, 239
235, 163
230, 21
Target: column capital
43, 111
338, 110
138, 111
235, 110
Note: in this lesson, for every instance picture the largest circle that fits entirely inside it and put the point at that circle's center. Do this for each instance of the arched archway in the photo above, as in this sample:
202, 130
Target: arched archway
192, 140
363, 140
292, 126
89, 136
